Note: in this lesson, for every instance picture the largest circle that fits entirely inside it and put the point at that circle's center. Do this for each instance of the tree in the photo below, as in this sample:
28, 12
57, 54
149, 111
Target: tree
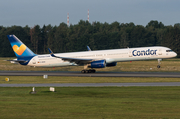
155, 24
35, 34
60, 38
171, 39
51, 38
97, 35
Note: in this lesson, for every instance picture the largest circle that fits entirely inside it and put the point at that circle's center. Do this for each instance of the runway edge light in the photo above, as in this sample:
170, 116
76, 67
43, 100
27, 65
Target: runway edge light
6, 79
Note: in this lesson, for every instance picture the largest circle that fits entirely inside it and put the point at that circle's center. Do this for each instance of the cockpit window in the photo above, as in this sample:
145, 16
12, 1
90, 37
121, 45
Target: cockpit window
169, 51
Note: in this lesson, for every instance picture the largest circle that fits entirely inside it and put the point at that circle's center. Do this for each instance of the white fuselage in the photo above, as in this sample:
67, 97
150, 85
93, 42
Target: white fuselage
114, 55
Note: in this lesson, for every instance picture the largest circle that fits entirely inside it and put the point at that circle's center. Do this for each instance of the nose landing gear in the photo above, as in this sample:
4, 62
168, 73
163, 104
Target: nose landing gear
159, 62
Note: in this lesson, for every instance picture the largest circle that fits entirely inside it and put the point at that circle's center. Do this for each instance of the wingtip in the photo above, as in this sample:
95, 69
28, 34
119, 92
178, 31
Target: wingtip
51, 53
89, 49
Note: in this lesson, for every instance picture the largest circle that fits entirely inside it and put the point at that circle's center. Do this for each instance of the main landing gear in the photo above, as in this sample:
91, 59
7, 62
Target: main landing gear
88, 71
159, 62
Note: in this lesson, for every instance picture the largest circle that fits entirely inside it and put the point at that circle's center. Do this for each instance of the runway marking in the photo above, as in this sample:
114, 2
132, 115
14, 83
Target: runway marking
99, 74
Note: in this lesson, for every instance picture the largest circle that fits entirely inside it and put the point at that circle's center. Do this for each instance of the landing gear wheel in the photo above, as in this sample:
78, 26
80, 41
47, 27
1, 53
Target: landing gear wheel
158, 66
93, 71
88, 71
159, 62
83, 71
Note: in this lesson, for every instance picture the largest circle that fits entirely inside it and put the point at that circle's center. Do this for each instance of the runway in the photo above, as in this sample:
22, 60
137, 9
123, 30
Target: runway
98, 74
92, 84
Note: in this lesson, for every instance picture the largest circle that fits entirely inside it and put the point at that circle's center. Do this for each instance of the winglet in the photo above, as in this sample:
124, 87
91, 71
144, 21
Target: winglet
51, 53
89, 49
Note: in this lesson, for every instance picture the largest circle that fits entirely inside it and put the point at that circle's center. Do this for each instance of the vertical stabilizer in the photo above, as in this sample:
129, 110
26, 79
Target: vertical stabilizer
20, 49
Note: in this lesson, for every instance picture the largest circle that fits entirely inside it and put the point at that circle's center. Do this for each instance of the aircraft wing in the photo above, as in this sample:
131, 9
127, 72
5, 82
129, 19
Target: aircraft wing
72, 60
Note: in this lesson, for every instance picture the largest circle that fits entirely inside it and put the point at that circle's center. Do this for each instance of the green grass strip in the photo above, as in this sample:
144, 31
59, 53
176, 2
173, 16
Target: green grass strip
91, 102
59, 79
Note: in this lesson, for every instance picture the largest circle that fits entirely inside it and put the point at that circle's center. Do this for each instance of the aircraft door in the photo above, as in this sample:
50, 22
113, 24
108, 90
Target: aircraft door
130, 53
159, 52
34, 60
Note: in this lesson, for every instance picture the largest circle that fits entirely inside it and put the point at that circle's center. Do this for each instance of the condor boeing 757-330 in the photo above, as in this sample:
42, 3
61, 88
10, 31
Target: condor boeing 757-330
89, 59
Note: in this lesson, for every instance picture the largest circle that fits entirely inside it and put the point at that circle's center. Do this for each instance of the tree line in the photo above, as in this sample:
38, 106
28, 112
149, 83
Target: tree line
97, 35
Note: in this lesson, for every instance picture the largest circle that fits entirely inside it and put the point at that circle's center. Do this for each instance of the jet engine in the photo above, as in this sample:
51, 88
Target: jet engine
98, 64
111, 64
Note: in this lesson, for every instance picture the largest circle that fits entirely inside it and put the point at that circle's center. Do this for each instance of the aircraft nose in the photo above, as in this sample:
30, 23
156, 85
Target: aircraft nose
175, 54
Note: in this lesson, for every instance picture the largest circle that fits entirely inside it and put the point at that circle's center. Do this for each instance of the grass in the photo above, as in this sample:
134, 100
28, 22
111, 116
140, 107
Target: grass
91, 103
59, 79
167, 65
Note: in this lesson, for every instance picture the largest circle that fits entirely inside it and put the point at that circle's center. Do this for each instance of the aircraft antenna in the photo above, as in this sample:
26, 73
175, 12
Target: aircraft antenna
88, 15
68, 19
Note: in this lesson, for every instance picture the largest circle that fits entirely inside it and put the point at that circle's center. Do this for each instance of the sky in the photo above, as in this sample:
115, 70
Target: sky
54, 12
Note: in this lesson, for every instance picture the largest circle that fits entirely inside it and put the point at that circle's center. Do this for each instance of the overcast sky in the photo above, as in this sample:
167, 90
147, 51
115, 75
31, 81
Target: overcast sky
54, 12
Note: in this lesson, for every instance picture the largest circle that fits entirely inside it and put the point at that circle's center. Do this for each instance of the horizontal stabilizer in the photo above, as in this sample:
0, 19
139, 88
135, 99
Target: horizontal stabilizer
17, 61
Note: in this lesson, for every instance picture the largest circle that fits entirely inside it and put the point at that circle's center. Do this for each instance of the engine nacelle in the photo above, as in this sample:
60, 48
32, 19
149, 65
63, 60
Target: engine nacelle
98, 64
111, 64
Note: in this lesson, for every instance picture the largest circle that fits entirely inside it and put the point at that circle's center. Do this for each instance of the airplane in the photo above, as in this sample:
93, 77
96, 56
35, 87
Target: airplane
89, 59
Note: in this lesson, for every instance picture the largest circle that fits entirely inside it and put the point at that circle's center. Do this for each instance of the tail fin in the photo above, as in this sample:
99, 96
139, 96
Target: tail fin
19, 48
